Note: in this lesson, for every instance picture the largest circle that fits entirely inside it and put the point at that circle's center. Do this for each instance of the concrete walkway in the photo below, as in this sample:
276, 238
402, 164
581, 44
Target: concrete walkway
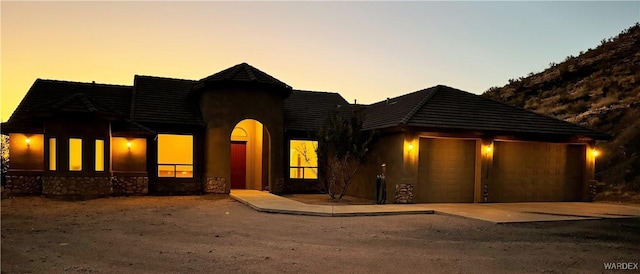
496, 213
266, 202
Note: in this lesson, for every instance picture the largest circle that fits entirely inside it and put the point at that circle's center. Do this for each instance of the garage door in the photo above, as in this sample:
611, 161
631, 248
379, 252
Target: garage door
446, 171
536, 172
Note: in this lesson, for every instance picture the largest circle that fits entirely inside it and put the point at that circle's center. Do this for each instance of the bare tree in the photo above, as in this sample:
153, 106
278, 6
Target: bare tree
343, 146
5, 157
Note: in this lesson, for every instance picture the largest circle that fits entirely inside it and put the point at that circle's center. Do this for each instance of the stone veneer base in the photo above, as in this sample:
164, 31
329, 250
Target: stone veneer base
215, 185
76, 186
130, 185
24, 184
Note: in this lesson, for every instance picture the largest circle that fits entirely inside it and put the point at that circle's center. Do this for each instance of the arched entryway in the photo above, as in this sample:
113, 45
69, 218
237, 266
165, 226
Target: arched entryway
250, 155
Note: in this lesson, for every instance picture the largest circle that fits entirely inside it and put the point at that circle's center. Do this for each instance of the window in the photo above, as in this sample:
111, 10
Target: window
99, 155
303, 161
75, 154
52, 154
175, 156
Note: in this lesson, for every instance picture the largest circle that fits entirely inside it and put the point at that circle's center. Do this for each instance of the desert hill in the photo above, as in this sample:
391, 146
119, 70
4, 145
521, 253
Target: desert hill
599, 88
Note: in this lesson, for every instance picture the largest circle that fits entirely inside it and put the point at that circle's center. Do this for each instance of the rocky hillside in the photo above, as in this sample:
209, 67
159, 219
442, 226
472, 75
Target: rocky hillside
599, 88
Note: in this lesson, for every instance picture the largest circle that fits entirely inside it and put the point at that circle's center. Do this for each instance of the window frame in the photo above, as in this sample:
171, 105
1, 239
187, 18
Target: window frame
302, 167
175, 166
71, 153
102, 153
53, 154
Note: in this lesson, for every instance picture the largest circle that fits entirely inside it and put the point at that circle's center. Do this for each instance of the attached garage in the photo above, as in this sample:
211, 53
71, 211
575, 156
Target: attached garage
536, 172
446, 171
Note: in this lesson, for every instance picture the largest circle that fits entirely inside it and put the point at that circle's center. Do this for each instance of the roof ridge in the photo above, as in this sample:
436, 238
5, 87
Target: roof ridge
84, 83
162, 77
252, 75
539, 114
420, 104
132, 104
314, 91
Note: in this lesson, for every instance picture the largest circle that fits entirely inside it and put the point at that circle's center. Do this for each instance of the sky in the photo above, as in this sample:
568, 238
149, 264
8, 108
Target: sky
364, 50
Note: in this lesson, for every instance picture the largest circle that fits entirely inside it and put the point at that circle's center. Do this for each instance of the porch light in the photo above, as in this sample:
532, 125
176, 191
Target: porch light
129, 144
487, 149
595, 153
28, 141
410, 147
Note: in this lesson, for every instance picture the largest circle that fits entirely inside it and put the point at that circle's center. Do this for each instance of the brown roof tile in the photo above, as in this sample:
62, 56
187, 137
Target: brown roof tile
164, 101
443, 107
308, 110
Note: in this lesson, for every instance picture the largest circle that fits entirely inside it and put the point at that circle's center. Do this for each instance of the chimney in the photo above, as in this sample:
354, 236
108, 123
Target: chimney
387, 101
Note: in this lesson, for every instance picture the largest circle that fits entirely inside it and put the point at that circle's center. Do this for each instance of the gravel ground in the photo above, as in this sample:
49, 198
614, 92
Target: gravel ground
214, 234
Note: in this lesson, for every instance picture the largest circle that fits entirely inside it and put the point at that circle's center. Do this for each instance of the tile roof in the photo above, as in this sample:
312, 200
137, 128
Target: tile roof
308, 110
48, 96
443, 107
130, 127
55, 96
78, 103
164, 101
52, 94
243, 74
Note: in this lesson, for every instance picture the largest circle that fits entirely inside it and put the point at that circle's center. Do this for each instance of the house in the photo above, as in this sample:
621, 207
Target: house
241, 128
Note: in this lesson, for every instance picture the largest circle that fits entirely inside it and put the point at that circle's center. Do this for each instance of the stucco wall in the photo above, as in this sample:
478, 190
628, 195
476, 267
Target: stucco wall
222, 110
130, 159
88, 129
26, 156
388, 149
254, 145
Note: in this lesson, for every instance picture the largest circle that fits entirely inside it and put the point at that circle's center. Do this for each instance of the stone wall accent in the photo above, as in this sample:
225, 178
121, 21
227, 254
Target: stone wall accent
404, 193
177, 186
76, 186
130, 185
277, 186
215, 185
304, 186
23, 185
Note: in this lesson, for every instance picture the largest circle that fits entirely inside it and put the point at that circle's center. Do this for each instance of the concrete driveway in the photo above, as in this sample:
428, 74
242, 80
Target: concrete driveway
493, 212
538, 212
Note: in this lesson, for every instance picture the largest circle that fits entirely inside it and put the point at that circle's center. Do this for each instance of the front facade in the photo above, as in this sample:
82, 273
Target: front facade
243, 129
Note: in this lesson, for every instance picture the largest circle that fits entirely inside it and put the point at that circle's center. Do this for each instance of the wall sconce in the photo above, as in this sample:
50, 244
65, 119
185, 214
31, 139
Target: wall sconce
410, 147
595, 153
129, 144
487, 149
28, 141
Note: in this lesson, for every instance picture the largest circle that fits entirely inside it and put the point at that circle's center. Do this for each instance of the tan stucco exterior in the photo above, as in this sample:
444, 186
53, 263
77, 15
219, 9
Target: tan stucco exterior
250, 131
26, 156
125, 158
222, 110
400, 152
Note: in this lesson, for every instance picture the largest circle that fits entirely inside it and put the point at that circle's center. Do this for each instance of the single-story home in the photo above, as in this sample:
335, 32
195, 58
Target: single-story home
241, 128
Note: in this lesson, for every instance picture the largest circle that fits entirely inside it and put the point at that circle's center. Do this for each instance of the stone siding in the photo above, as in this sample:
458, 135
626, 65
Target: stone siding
404, 194
177, 186
215, 185
76, 186
24, 185
304, 186
130, 185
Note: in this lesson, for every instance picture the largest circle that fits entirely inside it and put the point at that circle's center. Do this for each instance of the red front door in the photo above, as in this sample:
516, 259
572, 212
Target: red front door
238, 165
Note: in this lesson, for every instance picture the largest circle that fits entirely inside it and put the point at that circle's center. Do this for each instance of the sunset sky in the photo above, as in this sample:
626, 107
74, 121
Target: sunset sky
363, 50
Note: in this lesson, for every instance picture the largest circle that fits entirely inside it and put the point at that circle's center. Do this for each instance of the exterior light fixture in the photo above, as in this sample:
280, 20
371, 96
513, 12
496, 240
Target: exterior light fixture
595, 153
28, 141
129, 144
487, 149
410, 147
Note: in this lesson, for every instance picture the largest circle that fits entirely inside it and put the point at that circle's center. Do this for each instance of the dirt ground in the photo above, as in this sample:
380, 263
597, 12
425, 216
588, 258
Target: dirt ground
214, 234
